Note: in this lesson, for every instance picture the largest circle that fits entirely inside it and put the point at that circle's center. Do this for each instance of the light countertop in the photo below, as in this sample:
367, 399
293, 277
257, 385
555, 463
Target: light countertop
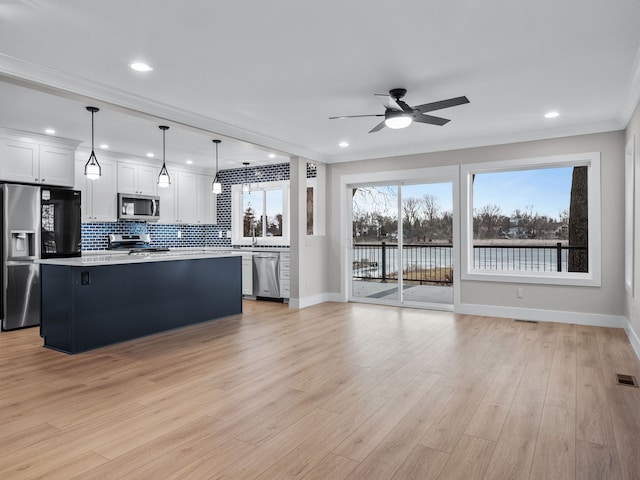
119, 258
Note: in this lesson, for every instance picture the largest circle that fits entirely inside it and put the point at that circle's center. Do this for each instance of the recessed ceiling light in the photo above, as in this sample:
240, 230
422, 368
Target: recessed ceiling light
343, 144
49, 131
140, 67
104, 146
189, 162
551, 114
150, 155
272, 155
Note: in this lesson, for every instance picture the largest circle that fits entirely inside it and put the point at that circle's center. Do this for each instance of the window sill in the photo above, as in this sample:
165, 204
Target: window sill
570, 279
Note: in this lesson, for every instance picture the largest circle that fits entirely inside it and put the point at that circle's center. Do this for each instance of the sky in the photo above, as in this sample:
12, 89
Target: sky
545, 191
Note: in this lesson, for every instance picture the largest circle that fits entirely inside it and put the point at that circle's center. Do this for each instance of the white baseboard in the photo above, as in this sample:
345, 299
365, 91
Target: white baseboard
311, 300
579, 318
633, 337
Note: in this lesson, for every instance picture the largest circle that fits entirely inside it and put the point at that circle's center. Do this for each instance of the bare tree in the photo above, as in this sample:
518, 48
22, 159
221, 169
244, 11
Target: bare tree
410, 214
487, 221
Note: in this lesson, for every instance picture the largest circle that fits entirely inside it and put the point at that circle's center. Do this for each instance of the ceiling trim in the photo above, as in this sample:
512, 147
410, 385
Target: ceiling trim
477, 142
60, 83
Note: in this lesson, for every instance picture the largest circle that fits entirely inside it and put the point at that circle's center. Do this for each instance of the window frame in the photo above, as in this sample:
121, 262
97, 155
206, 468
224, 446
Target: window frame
593, 278
237, 213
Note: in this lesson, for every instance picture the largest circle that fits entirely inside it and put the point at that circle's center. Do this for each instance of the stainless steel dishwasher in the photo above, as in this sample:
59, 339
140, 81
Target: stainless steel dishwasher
266, 275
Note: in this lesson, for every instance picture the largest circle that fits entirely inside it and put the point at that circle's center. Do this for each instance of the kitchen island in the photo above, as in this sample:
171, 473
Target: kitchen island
97, 300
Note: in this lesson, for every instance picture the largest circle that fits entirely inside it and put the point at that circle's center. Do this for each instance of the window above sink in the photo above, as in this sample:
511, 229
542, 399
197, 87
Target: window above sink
260, 214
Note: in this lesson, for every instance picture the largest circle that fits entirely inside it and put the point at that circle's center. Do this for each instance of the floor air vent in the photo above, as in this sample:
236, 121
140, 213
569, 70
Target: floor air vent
525, 321
626, 380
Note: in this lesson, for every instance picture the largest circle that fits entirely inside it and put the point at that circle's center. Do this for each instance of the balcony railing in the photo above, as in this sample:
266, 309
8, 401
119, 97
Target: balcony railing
433, 264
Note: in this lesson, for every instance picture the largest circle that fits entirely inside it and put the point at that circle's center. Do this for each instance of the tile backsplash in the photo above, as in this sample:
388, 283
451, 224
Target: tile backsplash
94, 235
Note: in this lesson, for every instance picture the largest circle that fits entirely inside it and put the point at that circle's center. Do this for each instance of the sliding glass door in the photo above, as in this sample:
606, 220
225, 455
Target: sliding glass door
375, 242
402, 244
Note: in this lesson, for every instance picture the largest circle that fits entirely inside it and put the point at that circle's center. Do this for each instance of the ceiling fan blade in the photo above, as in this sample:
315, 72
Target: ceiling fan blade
420, 118
378, 127
391, 104
451, 102
356, 116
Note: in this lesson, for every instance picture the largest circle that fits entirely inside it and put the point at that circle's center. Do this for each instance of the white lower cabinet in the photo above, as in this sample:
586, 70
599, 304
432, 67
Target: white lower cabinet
247, 274
285, 274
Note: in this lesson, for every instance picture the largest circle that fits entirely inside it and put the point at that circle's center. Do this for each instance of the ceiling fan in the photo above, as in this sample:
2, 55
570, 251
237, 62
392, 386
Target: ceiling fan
398, 114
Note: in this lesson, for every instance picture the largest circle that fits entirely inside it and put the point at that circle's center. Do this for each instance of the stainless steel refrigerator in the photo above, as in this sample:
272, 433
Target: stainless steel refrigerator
37, 222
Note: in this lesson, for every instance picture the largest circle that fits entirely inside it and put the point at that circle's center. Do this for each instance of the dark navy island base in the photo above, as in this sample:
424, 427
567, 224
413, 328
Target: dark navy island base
86, 306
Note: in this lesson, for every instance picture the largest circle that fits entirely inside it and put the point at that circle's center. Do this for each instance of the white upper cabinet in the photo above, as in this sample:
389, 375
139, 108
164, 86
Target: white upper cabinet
137, 179
56, 166
187, 198
206, 201
99, 197
37, 161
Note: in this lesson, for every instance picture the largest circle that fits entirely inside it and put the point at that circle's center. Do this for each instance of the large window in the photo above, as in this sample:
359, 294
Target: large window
261, 214
535, 220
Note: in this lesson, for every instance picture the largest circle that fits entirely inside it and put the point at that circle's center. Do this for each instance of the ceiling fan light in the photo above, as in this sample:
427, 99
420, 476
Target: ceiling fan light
398, 121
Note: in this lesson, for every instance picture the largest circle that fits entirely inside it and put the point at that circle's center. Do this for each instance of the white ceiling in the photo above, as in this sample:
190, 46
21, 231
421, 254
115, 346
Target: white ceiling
271, 73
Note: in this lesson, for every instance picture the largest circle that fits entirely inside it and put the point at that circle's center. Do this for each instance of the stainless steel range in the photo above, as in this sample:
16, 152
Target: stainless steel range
134, 243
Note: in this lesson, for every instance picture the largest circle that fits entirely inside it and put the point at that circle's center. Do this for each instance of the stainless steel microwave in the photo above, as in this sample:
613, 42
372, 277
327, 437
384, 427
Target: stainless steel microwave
138, 207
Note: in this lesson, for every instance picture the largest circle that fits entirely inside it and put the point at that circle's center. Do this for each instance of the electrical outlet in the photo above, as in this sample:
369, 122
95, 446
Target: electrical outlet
219, 234
179, 233
519, 292
228, 233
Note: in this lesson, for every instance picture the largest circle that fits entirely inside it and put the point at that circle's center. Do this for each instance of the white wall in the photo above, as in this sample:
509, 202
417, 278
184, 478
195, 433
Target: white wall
309, 270
590, 305
632, 304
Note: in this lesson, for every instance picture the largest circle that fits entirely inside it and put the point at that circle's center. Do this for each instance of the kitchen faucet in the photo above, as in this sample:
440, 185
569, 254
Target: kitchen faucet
254, 240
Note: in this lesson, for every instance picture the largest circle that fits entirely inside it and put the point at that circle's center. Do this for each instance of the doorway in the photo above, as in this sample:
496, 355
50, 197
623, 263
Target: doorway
402, 244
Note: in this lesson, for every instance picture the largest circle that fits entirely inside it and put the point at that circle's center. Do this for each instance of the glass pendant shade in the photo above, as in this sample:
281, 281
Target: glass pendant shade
216, 186
92, 169
164, 180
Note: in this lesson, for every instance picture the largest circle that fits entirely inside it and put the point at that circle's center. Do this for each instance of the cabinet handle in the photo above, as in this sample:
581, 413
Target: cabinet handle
36, 179
42, 180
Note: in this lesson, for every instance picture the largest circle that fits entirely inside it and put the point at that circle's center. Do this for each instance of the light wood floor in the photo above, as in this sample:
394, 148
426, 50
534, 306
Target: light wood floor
336, 391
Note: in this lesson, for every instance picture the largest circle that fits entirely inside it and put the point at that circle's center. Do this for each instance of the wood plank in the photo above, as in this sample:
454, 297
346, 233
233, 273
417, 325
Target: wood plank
332, 466
362, 442
490, 416
624, 405
562, 387
422, 464
555, 456
514, 450
596, 462
593, 421
469, 460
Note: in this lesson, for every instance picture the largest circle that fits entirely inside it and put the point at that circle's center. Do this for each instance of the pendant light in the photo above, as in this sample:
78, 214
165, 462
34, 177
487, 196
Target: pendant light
92, 169
216, 186
245, 186
164, 180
